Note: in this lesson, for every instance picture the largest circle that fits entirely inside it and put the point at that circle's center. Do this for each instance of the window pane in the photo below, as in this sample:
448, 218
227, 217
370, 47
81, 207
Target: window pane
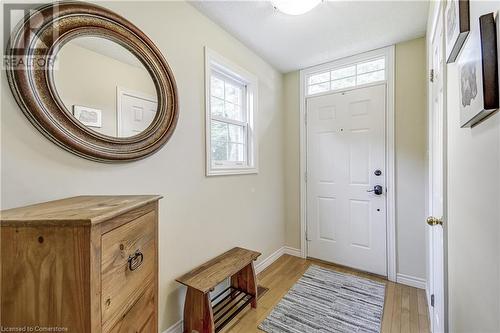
233, 94
371, 77
217, 87
219, 132
344, 83
219, 151
228, 142
233, 111
318, 88
343, 72
371, 66
217, 106
319, 78
236, 152
236, 133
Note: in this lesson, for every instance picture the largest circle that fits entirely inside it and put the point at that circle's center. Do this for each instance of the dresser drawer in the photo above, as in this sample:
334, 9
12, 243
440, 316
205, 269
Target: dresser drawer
127, 266
150, 326
141, 317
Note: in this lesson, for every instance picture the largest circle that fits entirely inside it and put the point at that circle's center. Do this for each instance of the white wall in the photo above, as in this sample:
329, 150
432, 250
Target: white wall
200, 217
473, 211
292, 158
411, 151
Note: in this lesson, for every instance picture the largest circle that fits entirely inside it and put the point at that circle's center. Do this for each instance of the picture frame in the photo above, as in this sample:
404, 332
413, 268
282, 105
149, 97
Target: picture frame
457, 27
88, 116
478, 74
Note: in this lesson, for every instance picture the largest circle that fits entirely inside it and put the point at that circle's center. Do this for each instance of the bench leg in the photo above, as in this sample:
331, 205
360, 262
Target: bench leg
245, 280
198, 315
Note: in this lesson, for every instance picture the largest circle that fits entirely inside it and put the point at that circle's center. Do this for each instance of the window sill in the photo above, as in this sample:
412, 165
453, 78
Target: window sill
231, 171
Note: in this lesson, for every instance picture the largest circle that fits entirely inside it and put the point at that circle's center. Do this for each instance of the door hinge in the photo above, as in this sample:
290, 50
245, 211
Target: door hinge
307, 235
432, 300
305, 177
305, 118
431, 75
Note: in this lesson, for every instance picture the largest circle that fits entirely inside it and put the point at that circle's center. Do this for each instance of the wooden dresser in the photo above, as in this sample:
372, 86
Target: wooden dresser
87, 264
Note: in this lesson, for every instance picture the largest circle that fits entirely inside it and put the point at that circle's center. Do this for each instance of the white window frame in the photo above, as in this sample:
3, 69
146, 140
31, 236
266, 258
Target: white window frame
389, 53
223, 67
343, 63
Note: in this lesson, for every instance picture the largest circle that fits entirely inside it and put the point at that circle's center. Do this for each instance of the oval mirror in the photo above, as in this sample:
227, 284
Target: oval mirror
105, 87
92, 82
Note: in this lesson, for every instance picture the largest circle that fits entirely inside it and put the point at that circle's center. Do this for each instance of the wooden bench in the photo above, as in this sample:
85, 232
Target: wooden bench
205, 315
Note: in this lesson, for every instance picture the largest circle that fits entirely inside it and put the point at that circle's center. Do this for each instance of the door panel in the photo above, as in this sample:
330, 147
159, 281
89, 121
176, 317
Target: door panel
345, 145
135, 115
360, 223
326, 213
359, 159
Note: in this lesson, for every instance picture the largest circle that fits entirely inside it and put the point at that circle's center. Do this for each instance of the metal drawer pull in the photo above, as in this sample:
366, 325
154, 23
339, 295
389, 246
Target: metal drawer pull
135, 260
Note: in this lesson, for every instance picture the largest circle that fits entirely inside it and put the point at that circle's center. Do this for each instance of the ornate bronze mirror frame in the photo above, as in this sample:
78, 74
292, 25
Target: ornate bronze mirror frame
35, 45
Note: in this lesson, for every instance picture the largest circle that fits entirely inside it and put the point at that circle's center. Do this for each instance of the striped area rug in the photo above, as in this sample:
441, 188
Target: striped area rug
327, 301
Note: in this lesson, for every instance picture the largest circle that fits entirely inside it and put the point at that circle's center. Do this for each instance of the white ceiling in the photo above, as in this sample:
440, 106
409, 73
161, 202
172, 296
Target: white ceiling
332, 30
108, 48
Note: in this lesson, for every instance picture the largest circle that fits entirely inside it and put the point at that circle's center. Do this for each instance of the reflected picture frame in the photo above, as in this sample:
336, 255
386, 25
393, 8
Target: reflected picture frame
478, 73
457, 27
88, 116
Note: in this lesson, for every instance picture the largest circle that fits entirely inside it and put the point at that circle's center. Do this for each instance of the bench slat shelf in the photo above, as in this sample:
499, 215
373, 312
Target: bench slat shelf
229, 306
204, 315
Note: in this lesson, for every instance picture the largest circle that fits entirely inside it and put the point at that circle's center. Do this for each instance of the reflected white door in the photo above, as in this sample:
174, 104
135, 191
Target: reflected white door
346, 219
436, 143
135, 113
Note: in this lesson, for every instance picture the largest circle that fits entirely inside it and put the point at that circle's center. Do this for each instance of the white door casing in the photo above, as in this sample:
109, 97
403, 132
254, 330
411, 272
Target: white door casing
436, 181
135, 112
389, 54
345, 146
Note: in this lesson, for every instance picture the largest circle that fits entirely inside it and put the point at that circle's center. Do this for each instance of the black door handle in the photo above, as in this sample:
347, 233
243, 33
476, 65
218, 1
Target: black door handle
377, 189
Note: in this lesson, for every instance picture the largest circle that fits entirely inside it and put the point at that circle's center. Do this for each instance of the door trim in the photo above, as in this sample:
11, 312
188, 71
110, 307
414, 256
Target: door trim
435, 16
388, 52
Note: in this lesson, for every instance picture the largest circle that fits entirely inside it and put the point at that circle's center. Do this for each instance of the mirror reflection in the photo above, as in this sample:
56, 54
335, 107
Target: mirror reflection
105, 86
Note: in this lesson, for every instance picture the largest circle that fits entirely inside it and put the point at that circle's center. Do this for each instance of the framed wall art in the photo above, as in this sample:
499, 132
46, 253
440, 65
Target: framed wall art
457, 27
478, 73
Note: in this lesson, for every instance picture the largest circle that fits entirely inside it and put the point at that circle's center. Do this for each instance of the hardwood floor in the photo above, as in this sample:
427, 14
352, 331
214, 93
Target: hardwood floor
405, 307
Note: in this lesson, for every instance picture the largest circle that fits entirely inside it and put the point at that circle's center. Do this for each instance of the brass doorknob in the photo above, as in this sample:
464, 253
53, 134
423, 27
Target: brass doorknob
432, 221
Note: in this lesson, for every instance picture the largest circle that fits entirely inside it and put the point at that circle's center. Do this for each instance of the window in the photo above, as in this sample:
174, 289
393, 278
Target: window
346, 77
231, 99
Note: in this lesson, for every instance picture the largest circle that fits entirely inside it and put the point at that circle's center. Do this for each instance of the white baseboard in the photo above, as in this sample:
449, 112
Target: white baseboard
411, 281
274, 256
262, 265
177, 327
293, 251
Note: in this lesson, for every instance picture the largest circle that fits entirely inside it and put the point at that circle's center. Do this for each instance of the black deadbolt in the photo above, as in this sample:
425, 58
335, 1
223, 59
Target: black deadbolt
378, 172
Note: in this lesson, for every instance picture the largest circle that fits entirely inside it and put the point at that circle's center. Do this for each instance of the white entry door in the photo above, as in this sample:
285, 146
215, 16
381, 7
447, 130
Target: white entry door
435, 229
135, 112
346, 214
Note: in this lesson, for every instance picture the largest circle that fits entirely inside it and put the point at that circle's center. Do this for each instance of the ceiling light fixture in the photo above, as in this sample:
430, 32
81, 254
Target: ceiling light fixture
295, 7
